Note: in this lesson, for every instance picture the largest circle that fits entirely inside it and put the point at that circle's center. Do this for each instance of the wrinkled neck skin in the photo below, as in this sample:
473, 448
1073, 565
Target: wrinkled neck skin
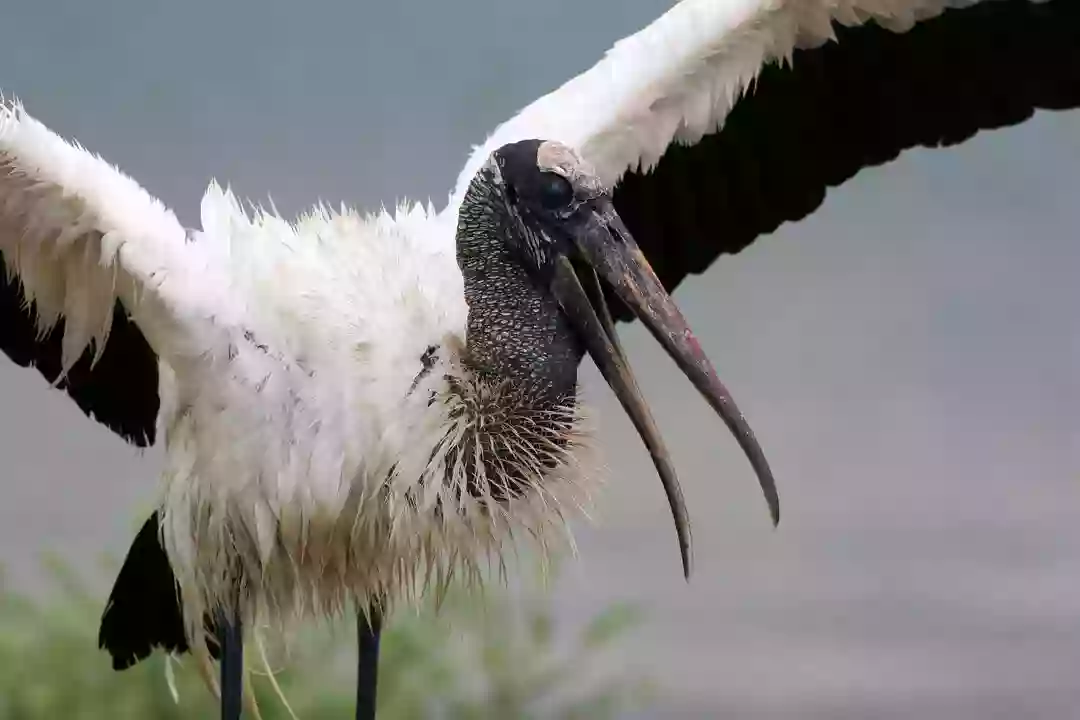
521, 357
515, 330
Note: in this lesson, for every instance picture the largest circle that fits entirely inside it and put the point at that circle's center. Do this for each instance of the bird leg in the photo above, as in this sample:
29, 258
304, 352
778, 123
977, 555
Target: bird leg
369, 630
231, 639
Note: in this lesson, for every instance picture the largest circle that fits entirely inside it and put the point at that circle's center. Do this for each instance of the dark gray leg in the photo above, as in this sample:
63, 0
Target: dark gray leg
232, 667
367, 671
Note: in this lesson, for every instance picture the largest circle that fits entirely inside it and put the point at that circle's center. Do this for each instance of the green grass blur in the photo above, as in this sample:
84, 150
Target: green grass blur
495, 656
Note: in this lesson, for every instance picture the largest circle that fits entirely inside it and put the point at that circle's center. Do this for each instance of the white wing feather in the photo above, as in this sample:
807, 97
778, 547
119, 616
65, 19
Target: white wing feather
678, 78
80, 234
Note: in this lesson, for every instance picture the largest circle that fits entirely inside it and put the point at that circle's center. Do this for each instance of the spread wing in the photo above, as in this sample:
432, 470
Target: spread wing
725, 118
101, 279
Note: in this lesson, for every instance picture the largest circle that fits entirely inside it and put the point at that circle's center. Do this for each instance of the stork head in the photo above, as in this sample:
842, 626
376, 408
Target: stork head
555, 220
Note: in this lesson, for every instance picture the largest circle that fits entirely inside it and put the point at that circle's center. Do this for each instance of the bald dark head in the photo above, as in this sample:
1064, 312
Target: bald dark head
547, 174
548, 192
510, 232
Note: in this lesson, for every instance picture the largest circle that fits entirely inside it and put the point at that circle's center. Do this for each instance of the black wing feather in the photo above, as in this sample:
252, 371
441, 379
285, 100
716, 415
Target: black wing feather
852, 103
120, 390
143, 611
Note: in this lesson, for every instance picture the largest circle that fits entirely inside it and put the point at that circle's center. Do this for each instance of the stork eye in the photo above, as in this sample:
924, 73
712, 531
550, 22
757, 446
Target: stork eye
555, 191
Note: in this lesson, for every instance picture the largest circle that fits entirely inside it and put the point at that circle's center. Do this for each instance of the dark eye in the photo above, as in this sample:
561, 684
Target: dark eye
555, 191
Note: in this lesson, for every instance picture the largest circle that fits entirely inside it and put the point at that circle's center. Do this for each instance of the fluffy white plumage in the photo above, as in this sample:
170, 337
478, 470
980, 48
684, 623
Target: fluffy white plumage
288, 350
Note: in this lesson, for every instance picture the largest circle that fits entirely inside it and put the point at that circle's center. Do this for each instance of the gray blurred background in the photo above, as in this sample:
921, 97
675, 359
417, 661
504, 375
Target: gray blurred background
908, 356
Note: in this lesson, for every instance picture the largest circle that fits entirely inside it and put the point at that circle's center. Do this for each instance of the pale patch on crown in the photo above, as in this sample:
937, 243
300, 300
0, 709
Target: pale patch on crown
553, 156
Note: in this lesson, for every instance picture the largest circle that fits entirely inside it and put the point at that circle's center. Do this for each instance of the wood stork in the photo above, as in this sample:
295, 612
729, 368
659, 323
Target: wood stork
353, 405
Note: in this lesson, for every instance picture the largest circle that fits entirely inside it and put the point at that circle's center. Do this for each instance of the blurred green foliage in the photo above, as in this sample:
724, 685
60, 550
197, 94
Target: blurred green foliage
496, 656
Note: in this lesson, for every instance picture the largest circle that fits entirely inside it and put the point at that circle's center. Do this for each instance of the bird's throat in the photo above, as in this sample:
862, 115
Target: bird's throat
516, 331
517, 408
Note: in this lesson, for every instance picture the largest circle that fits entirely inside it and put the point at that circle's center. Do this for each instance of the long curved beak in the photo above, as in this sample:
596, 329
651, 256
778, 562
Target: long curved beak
606, 246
